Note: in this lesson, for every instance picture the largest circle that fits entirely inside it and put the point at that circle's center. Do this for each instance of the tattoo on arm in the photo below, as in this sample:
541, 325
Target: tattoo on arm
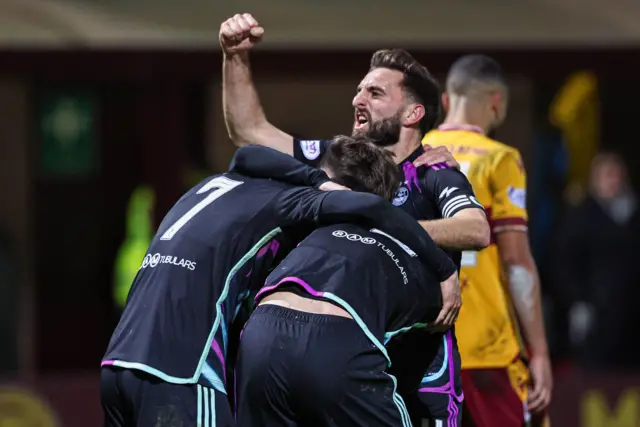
523, 290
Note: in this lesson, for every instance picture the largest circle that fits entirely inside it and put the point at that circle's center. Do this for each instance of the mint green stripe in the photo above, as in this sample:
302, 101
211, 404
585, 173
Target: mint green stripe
225, 292
199, 414
216, 324
445, 363
397, 399
153, 371
205, 399
389, 335
213, 378
342, 303
213, 409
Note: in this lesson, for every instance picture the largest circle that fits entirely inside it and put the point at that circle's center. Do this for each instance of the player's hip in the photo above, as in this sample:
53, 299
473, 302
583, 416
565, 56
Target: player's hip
132, 397
292, 301
308, 365
284, 338
487, 340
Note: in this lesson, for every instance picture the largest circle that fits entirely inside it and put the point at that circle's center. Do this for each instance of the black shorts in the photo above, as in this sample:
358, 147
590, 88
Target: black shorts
133, 398
299, 369
439, 397
428, 370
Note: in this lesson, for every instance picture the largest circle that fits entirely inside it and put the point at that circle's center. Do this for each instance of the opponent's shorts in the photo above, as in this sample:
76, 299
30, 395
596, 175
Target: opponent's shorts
299, 369
498, 397
438, 401
133, 398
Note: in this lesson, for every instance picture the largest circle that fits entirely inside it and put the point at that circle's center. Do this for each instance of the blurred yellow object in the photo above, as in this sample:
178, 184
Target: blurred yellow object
137, 241
576, 111
23, 408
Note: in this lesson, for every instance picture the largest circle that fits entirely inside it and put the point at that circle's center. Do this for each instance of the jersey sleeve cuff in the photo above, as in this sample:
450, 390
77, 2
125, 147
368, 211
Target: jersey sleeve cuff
508, 224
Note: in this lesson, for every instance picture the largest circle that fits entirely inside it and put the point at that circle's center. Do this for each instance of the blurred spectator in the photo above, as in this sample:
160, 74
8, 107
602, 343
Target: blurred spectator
597, 268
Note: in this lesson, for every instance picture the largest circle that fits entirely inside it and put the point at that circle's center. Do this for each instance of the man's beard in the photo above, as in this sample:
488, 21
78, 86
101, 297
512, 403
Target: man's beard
384, 132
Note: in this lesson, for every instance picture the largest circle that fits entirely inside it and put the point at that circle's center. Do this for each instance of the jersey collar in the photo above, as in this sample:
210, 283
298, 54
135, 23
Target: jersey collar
468, 128
414, 155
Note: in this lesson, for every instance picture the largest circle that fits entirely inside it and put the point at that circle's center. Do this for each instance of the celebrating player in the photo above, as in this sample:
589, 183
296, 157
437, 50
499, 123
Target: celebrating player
395, 104
165, 362
492, 357
312, 353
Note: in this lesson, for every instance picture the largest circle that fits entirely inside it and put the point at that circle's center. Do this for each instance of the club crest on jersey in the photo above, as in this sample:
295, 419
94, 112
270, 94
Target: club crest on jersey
517, 196
401, 196
310, 149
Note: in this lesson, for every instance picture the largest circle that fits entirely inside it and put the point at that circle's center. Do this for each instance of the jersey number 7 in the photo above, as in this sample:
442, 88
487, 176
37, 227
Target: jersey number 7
216, 187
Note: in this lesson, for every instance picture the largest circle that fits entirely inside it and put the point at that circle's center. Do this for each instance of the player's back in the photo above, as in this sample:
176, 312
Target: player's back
376, 278
195, 274
486, 330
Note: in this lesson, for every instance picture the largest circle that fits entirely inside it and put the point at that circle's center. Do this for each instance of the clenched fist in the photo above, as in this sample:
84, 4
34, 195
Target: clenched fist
240, 33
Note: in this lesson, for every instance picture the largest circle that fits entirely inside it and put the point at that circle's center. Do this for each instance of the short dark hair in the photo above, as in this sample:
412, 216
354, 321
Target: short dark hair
471, 70
417, 82
356, 162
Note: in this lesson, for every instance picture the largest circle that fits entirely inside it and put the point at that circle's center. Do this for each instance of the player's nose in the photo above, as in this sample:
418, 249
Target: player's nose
358, 100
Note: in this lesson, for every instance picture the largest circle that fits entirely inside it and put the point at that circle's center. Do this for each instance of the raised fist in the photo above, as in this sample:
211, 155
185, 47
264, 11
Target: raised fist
240, 33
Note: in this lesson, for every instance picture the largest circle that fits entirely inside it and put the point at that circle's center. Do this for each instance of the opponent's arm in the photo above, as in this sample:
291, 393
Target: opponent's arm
322, 208
264, 162
509, 220
243, 114
464, 224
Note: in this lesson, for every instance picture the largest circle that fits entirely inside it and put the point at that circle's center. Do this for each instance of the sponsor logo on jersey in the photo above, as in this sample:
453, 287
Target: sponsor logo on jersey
153, 260
310, 149
517, 197
447, 192
354, 237
401, 196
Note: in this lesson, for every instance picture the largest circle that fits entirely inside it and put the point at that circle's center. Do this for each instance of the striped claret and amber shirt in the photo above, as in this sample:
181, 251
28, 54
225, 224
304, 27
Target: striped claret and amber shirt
487, 331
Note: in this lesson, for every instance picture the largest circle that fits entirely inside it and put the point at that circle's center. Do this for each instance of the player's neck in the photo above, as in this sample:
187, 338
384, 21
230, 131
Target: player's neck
405, 146
461, 114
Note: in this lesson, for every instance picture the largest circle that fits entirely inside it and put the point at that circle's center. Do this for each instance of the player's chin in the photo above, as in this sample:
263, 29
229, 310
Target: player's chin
360, 129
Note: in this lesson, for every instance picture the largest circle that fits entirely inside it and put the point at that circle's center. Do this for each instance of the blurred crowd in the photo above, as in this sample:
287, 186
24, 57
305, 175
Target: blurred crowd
595, 280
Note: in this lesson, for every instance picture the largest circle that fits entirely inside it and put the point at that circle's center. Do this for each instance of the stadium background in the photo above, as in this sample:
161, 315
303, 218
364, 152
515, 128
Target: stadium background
98, 98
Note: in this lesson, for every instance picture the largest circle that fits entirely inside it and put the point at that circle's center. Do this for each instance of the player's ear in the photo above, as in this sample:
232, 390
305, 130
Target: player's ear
445, 102
415, 113
498, 105
496, 100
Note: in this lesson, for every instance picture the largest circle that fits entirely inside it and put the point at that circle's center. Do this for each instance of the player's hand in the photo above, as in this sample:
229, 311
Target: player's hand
240, 33
435, 155
332, 186
542, 379
451, 303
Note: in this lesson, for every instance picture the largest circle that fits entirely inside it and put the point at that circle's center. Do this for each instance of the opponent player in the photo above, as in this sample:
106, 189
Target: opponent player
495, 376
165, 363
340, 290
396, 103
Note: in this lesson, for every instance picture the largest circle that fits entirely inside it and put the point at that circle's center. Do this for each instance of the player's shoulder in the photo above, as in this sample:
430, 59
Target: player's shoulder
502, 148
441, 173
503, 154
438, 137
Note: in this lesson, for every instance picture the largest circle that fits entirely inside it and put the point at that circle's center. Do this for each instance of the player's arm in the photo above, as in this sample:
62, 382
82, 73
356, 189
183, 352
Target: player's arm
464, 224
243, 114
307, 205
264, 162
509, 222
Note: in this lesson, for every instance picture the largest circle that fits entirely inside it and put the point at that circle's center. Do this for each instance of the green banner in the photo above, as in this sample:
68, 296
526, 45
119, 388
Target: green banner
67, 134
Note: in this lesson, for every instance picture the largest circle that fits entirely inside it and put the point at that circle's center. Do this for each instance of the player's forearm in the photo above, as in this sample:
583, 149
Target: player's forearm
524, 287
243, 112
458, 233
264, 162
